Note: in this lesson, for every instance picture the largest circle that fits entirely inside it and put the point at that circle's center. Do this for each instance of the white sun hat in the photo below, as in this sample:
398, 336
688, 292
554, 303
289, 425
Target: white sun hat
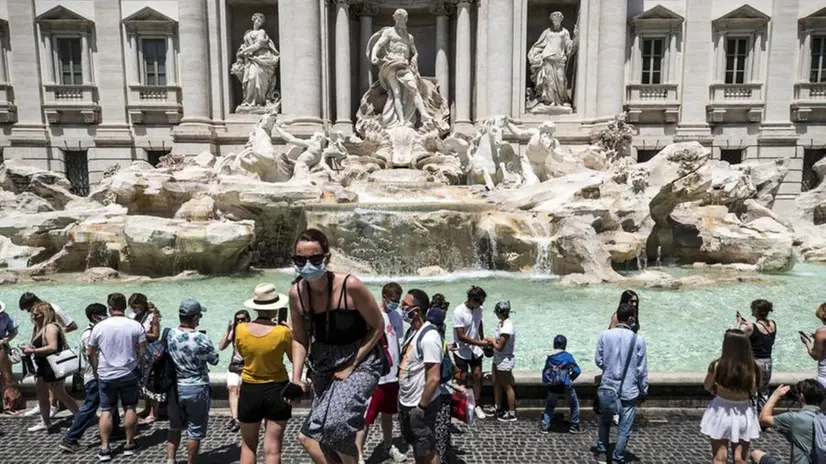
266, 298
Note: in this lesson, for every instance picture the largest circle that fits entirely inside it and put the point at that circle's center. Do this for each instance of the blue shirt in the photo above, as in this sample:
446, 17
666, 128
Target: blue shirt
191, 352
7, 325
610, 357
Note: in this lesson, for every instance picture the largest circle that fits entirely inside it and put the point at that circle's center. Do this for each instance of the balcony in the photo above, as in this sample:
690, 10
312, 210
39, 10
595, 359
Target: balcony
71, 103
160, 101
8, 112
809, 104
652, 103
735, 103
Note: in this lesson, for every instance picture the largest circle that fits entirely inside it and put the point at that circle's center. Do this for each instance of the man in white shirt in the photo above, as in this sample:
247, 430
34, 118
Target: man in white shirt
419, 379
26, 303
469, 337
385, 399
87, 415
116, 347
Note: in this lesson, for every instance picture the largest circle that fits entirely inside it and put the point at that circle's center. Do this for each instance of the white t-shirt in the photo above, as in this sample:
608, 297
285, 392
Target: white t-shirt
412, 366
116, 339
471, 321
504, 359
88, 371
393, 347
63, 319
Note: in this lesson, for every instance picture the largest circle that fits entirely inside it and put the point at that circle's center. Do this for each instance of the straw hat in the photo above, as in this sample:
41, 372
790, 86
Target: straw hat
266, 298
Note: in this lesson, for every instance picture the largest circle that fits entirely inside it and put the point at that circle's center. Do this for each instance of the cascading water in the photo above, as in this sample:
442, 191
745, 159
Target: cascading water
659, 257
541, 234
642, 258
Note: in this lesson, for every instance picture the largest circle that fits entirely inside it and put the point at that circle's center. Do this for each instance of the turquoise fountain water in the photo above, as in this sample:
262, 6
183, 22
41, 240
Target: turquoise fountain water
683, 328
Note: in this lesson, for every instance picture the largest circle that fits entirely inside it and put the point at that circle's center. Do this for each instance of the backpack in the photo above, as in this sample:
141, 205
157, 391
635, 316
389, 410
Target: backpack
161, 376
556, 374
446, 374
819, 445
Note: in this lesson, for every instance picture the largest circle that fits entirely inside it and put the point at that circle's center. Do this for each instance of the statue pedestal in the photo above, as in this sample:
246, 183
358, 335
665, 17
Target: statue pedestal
551, 110
401, 177
405, 146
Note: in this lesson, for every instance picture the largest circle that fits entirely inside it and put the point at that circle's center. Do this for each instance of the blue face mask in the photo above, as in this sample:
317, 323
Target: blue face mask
310, 272
391, 306
407, 316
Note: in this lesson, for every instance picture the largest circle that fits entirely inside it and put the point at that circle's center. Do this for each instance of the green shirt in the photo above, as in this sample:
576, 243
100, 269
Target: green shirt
798, 428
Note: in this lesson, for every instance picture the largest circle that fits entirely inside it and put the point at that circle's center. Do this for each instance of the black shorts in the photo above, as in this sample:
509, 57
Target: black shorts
466, 365
258, 401
419, 430
767, 459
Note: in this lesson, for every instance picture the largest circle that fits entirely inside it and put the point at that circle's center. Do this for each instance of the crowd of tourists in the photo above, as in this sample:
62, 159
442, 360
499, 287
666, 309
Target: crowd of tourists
363, 360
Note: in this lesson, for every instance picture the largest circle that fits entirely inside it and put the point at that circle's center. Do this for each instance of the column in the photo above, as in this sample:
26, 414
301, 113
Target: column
28, 137
50, 71
3, 52
439, 8
365, 11
86, 58
463, 81
696, 75
132, 60
171, 61
299, 25
499, 58
613, 18
343, 97
195, 132
636, 66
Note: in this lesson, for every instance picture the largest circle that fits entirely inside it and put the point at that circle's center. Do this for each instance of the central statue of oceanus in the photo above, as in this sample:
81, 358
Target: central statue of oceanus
400, 96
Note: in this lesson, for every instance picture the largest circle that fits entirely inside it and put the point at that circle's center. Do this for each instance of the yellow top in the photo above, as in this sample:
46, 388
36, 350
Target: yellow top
264, 355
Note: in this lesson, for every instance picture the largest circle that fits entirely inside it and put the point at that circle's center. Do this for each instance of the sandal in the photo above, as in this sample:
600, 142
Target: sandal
147, 421
233, 425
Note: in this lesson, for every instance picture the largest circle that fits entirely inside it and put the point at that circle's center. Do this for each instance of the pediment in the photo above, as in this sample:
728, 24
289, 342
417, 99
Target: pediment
656, 18
815, 20
62, 17
148, 14
747, 17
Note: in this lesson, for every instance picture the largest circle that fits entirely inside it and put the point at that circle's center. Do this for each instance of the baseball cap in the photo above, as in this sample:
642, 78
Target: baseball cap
436, 316
190, 307
503, 307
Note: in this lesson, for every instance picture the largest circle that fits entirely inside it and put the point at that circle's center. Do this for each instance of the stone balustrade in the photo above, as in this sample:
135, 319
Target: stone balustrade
8, 111
65, 102
809, 102
647, 101
163, 101
736, 103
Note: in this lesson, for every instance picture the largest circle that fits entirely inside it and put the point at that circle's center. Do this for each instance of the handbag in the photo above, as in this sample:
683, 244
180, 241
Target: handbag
607, 397
462, 405
64, 363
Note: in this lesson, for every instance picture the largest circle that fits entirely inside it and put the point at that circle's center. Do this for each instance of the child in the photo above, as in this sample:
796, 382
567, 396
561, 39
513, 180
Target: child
560, 371
503, 363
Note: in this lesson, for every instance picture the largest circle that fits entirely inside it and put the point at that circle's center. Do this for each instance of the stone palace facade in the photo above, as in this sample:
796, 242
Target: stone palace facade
85, 84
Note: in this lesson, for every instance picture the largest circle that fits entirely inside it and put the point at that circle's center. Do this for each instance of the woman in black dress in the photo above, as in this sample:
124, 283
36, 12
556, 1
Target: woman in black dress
336, 319
47, 338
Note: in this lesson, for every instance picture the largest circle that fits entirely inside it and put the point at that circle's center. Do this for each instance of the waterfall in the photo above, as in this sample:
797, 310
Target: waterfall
642, 257
493, 250
659, 257
541, 232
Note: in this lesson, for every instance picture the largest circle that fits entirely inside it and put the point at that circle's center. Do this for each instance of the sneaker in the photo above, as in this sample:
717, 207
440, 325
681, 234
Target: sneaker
52, 412
544, 428
575, 429
395, 454
615, 419
70, 447
509, 416
105, 455
32, 412
490, 410
480, 414
41, 426
129, 450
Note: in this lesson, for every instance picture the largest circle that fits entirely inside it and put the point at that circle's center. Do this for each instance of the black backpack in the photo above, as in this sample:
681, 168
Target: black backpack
161, 377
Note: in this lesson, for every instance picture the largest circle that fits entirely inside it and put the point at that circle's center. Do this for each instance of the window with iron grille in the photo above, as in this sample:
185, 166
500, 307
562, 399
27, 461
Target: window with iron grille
69, 58
646, 155
818, 68
154, 157
737, 54
154, 61
732, 156
652, 60
77, 171
810, 157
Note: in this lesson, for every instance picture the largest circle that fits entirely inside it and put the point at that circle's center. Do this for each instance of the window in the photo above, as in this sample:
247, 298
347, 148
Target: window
652, 60
644, 156
77, 171
154, 61
810, 157
732, 156
154, 157
818, 69
737, 53
69, 60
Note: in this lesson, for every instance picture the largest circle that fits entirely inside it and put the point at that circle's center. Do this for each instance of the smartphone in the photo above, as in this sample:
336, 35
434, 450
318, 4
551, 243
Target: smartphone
292, 392
803, 334
202, 331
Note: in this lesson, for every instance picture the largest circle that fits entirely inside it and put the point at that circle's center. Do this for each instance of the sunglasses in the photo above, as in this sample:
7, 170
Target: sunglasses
315, 260
240, 321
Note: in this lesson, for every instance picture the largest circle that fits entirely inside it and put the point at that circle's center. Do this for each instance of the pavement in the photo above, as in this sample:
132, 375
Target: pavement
656, 438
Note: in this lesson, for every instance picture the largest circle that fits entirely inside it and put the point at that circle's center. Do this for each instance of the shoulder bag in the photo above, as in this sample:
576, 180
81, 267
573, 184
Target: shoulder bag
609, 398
65, 362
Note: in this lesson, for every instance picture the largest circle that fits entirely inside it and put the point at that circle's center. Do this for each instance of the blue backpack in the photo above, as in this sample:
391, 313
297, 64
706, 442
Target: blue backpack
556, 374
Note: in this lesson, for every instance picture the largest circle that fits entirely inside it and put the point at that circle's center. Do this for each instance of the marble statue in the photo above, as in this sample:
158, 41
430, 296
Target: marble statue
316, 154
259, 158
548, 59
255, 66
400, 96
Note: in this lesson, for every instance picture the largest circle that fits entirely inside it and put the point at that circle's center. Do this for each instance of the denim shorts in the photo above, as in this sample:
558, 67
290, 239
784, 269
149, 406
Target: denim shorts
189, 410
124, 388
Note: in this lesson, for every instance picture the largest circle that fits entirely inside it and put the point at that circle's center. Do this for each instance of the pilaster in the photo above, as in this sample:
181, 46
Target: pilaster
499, 57
463, 77
343, 123
698, 66
780, 74
365, 11
613, 20
442, 9
299, 25
110, 78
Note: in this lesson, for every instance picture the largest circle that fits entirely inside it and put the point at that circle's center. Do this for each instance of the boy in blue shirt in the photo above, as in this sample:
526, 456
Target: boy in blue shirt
559, 373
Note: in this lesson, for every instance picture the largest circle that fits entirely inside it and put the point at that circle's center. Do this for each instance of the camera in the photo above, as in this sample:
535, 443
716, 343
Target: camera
793, 394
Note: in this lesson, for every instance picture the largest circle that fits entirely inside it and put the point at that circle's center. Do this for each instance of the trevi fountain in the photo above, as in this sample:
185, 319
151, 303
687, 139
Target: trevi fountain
558, 230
